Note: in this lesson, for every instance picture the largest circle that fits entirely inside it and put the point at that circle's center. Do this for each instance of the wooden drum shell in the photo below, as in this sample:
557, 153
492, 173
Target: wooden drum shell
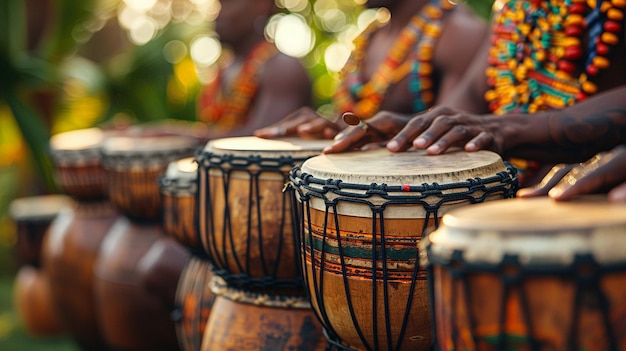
194, 301
346, 226
536, 283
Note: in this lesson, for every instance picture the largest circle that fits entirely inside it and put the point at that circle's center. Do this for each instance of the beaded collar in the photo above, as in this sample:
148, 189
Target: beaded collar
226, 107
411, 55
546, 54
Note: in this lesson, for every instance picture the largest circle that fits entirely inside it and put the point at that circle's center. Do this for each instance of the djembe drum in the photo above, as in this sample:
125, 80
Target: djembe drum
361, 216
193, 298
246, 231
32, 216
133, 318
530, 274
73, 241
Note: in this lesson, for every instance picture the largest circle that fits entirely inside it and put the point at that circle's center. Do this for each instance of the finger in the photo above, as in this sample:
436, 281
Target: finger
456, 135
481, 142
416, 126
618, 194
316, 128
350, 139
548, 182
373, 146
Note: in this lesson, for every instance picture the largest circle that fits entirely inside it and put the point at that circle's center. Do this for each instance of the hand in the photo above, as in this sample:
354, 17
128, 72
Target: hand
441, 127
603, 172
378, 129
303, 122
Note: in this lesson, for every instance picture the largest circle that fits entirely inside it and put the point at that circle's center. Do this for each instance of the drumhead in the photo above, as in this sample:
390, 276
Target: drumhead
180, 176
76, 146
270, 148
538, 230
38, 208
159, 151
412, 167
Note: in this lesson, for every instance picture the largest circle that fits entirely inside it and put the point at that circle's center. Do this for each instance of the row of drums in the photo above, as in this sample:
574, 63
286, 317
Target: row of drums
252, 244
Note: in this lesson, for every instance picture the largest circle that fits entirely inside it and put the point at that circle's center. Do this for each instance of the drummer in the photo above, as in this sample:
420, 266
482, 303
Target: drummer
576, 95
255, 84
404, 65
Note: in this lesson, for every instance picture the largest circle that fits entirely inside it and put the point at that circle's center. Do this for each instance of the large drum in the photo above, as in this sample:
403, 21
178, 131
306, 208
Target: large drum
193, 298
244, 216
73, 241
361, 216
530, 274
133, 318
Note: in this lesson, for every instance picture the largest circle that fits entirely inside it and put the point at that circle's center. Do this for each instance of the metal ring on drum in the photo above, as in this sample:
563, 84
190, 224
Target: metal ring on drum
530, 274
244, 215
360, 217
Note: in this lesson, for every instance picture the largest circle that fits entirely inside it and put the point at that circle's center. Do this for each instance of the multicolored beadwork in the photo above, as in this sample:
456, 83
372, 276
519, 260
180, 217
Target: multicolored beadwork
539, 59
226, 106
411, 55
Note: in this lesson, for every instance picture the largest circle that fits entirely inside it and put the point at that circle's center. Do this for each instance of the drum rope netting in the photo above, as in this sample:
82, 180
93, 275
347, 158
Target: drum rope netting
584, 271
473, 190
254, 166
220, 287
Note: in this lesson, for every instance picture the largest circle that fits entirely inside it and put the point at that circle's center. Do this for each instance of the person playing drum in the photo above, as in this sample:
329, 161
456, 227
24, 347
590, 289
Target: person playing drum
256, 84
567, 72
404, 65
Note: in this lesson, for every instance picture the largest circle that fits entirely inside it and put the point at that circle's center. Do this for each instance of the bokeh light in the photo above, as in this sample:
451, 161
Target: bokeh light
293, 35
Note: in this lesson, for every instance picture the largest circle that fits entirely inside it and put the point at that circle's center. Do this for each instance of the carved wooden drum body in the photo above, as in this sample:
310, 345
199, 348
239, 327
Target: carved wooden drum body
244, 216
133, 318
73, 241
194, 298
530, 274
361, 216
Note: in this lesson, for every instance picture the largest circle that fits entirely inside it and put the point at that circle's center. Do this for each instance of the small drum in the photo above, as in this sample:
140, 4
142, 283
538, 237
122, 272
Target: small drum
194, 300
530, 274
133, 167
77, 163
178, 192
244, 216
32, 217
361, 216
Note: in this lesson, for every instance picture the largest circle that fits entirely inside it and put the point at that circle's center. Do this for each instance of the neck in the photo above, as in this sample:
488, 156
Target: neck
242, 48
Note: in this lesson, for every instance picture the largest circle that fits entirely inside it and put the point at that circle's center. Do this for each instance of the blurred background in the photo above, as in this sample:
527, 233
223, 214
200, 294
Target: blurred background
73, 64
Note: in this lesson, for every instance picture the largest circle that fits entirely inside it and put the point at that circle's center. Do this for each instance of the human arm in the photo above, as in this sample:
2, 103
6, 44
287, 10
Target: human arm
569, 135
304, 122
284, 87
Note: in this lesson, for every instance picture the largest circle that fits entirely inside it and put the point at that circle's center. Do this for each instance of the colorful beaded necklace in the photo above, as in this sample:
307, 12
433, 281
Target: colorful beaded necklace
537, 61
225, 107
418, 37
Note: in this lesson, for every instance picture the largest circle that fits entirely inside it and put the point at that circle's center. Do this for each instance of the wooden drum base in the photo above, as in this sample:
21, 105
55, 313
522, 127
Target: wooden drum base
263, 324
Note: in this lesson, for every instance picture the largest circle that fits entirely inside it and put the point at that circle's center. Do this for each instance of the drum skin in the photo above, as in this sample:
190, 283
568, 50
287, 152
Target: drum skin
562, 285
247, 327
69, 255
194, 301
362, 216
34, 306
131, 319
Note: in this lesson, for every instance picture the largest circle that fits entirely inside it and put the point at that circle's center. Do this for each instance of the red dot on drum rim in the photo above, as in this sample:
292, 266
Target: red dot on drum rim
406, 188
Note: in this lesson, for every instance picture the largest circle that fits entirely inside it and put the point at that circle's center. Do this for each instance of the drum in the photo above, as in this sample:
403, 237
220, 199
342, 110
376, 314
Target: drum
194, 300
73, 241
530, 274
133, 167
133, 317
244, 216
178, 192
77, 163
360, 217
247, 321
32, 217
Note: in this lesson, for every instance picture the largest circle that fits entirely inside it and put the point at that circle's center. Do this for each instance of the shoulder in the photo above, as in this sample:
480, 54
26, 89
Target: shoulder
465, 23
